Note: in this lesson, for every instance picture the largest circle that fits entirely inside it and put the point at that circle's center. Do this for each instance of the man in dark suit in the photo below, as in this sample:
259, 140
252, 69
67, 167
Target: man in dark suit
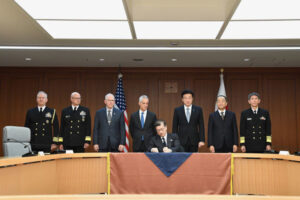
141, 126
188, 123
222, 129
43, 124
75, 128
109, 127
164, 142
255, 127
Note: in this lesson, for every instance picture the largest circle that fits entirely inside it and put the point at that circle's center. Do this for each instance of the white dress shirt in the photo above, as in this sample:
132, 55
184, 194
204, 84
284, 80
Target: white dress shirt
73, 107
255, 110
185, 107
145, 115
165, 139
43, 108
224, 111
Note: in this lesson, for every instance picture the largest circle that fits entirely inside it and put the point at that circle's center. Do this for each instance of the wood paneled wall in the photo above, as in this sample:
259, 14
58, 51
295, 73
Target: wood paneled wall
279, 88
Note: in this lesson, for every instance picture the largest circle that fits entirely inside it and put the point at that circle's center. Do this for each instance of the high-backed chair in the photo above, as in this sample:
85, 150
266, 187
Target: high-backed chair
16, 141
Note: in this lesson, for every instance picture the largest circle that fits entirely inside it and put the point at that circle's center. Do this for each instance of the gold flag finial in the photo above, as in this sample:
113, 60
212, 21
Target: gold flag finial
221, 70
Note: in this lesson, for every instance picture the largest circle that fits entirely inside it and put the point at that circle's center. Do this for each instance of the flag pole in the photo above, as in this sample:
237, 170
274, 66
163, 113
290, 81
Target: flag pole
120, 75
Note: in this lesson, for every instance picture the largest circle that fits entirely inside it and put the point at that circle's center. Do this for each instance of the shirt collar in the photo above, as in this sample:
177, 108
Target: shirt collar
145, 112
164, 137
43, 108
224, 111
74, 107
255, 110
185, 107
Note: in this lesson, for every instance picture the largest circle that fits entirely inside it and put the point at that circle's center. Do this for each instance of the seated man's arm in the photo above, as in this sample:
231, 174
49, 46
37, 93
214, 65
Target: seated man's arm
177, 146
151, 146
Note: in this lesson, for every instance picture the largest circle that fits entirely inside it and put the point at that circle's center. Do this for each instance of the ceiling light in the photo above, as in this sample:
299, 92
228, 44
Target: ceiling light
74, 9
262, 30
267, 9
177, 29
87, 29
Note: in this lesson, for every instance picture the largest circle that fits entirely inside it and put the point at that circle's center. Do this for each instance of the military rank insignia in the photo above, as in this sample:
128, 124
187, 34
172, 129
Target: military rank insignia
48, 115
83, 114
262, 118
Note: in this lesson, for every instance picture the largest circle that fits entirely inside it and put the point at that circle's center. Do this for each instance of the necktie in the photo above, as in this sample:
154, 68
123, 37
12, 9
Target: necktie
254, 112
164, 142
75, 108
222, 115
41, 109
188, 114
109, 117
142, 119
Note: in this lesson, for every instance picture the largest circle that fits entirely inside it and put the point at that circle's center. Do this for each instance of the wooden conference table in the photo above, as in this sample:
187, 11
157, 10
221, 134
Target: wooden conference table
89, 173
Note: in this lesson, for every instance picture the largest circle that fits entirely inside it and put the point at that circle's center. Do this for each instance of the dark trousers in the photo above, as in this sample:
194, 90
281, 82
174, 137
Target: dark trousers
141, 148
76, 149
224, 148
109, 147
189, 147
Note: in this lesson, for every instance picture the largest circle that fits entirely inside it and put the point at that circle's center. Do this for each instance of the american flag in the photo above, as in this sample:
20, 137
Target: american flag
121, 104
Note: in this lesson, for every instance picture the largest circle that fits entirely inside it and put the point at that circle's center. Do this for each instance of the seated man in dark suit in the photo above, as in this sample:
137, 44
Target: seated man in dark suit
164, 142
222, 129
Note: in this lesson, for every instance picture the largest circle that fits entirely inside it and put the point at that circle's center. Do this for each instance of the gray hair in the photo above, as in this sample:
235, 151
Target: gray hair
226, 99
42, 92
109, 94
143, 97
73, 93
253, 94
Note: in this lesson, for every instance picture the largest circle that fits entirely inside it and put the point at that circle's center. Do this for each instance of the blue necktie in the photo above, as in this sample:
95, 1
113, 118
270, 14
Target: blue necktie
142, 119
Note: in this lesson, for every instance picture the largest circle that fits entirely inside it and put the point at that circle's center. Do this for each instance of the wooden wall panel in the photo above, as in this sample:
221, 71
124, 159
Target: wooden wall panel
279, 88
240, 87
21, 96
3, 103
205, 96
59, 90
168, 100
282, 106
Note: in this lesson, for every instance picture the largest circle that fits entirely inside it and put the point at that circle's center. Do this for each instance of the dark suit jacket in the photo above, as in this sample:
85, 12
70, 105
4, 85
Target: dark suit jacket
194, 130
172, 143
43, 126
75, 128
141, 136
220, 130
115, 131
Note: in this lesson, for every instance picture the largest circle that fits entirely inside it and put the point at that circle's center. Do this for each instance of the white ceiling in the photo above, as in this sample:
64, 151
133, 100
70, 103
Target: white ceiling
17, 28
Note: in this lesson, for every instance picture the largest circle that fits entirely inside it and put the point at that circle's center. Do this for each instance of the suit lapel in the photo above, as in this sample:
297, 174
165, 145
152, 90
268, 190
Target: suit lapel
105, 116
137, 117
147, 121
218, 116
113, 115
183, 114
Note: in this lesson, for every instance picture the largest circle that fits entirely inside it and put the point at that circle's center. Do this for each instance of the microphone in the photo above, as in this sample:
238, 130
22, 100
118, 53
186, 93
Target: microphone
30, 153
